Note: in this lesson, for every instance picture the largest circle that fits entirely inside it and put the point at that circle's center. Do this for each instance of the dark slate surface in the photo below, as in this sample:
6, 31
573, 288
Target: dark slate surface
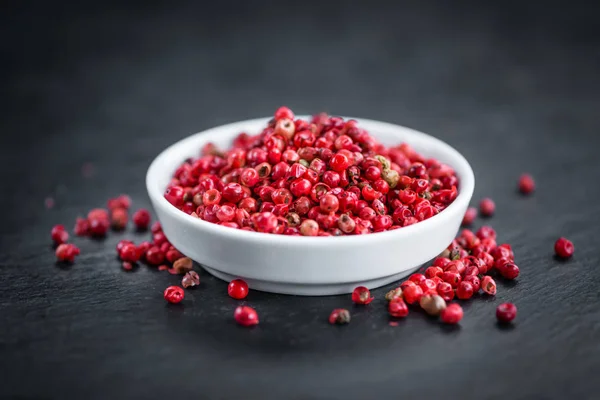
513, 86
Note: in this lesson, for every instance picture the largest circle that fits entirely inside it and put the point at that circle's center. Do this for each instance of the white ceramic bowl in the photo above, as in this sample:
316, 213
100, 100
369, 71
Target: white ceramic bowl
308, 265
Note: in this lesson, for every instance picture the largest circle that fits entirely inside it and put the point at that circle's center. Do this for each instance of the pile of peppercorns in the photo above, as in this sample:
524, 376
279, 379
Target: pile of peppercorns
326, 177
323, 177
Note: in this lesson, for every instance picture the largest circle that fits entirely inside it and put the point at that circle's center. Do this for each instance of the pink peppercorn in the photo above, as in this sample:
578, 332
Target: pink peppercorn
154, 256
470, 216
59, 234
98, 227
488, 285
412, 294
129, 252
361, 295
445, 290
452, 314
237, 289
397, 308
464, 291
246, 316
67, 252
487, 207
564, 248
526, 184
174, 294
509, 270
118, 218
82, 227
141, 219
506, 312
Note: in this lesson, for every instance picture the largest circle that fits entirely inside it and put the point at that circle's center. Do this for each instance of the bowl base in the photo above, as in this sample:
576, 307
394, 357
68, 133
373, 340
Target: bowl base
300, 289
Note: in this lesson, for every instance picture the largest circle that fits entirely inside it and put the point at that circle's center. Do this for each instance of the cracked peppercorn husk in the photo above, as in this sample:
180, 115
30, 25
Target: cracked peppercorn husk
190, 279
394, 294
339, 316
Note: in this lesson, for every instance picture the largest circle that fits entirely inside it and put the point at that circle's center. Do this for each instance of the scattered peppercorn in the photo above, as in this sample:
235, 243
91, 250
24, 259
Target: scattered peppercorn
174, 294
59, 234
394, 294
361, 295
397, 308
452, 314
506, 312
487, 207
246, 316
526, 184
488, 285
564, 248
67, 252
237, 289
141, 219
470, 216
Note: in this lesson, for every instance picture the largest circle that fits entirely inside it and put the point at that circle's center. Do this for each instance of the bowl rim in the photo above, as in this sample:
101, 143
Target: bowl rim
466, 175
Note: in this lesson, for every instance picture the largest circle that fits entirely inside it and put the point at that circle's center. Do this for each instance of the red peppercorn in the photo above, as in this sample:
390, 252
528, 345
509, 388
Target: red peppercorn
453, 278
445, 290
509, 270
284, 113
564, 248
470, 216
173, 255
397, 308
59, 235
452, 314
412, 294
361, 295
98, 227
141, 219
67, 252
154, 256
339, 162
417, 278
129, 252
506, 312
122, 244
82, 227
246, 316
118, 218
430, 272
238, 289
264, 222
122, 201
487, 207
474, 281
174, 195
488, 285
329, 203
464, 291
339, 316
428, 286
526, 184
174, 294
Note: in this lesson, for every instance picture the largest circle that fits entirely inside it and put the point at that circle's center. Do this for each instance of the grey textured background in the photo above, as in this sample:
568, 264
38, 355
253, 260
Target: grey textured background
513, 86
